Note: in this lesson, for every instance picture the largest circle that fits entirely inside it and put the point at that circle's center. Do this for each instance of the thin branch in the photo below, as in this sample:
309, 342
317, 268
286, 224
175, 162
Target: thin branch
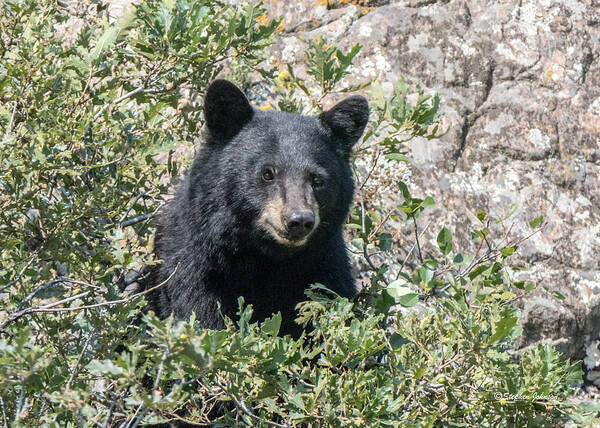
492, 254
137, 198
129, 94
137, 219
137, 420
139, 90
160, 367
240, 405
412, 248
362, 212
51, 307
417, 239
363, 229
133, 418
3, 412
20, 402
109, 415
140, 218
371, 171
68, 299
49, 284
10, 122
76, 367
384, 221
14, 281
372, 265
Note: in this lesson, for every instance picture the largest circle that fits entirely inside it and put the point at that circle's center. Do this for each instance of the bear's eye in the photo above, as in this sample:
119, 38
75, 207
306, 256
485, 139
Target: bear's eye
317, 181
268, 174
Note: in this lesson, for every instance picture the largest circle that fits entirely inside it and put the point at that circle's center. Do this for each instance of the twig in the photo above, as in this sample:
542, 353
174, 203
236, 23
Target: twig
160, 367
363, 229
240, 405
109, 415
118, 100
133, 418
68, 299
362, 211
50, 307
139, 418
371, 171
203, 423
140, 218
299, 379
385, 219
76, 367
50, 284
368, 259
137, 198
492, 254
417, 239
137, 219
138, 90
14, 281
20, 402
10, 122
3, 412
412, 248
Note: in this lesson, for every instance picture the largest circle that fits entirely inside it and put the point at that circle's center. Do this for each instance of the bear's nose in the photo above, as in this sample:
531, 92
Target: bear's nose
299, 224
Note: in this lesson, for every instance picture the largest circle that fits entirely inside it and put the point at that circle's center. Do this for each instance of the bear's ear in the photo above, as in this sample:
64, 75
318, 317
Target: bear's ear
226, 109
347, 121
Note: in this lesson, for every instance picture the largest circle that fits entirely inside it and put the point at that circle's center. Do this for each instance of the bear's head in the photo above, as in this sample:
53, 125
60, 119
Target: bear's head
287, 177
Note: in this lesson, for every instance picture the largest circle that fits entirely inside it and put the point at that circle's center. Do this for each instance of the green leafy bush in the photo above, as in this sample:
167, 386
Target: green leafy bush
89, 132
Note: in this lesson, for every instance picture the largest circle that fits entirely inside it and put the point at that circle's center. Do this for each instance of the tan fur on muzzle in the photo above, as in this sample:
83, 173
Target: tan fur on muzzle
271, 220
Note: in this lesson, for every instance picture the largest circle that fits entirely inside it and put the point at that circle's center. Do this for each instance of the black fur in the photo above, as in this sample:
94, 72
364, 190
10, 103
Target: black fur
211, 228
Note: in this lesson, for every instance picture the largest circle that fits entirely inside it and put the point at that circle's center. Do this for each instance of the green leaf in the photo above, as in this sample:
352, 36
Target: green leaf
462, 260
404, 189
397, 157
409, 300
478, 271
104, 367
346, 60
555, 293
482, 233
397, 340
398, 288
508, 251
536, 222
425, 275
358, 243
105, 41
271, 325
383, 302
503, 328
428, 202
353, 226
444, 241
296, 400
404, 295
385, 241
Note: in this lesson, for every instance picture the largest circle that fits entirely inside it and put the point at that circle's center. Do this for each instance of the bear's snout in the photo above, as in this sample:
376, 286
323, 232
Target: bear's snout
300, 223
290, 226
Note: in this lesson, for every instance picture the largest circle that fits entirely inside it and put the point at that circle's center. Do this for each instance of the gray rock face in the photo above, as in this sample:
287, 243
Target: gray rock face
521, 93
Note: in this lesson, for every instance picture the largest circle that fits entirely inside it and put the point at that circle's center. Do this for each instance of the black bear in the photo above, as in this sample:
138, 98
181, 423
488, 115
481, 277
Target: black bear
260, 212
